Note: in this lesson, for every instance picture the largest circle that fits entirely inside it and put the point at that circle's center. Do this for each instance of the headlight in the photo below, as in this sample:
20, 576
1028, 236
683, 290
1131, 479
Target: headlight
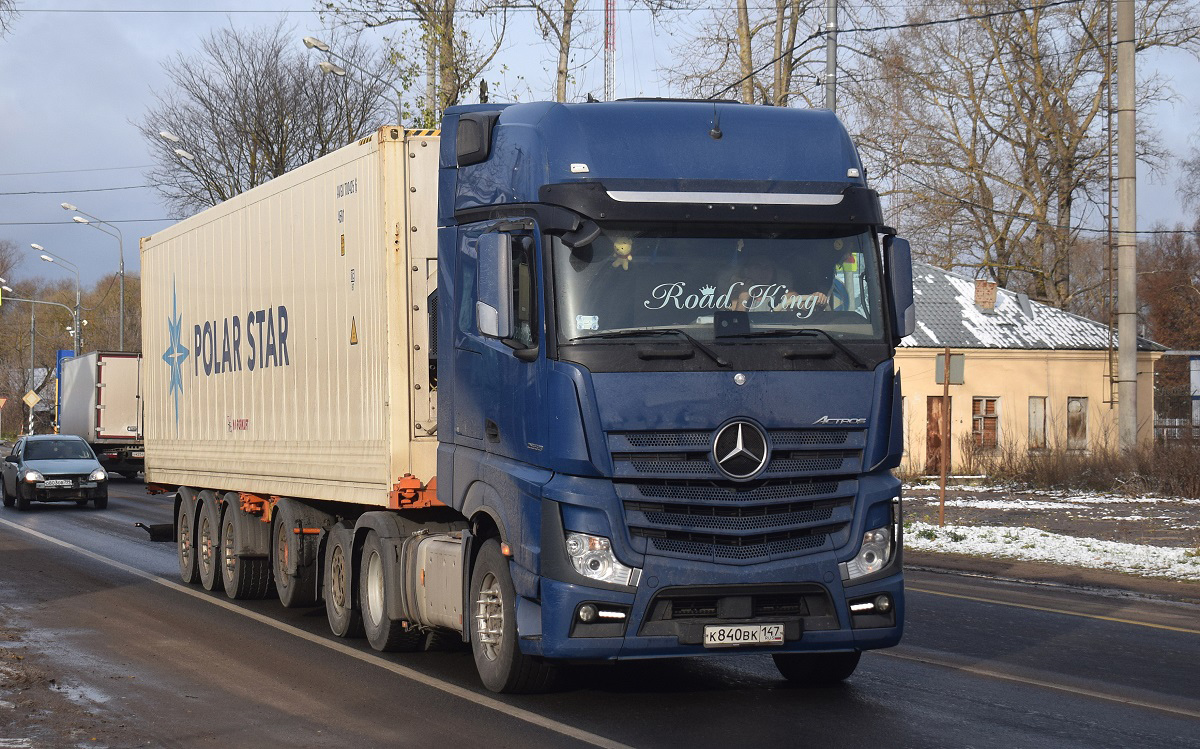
875, 553
593, 558
98, 475
32, 476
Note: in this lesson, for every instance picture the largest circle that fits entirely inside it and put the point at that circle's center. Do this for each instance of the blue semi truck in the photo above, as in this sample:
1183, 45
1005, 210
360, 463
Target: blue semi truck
639, 392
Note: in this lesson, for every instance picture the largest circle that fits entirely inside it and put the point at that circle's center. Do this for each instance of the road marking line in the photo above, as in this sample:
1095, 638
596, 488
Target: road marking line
1040, 683
408, 673
1052, 611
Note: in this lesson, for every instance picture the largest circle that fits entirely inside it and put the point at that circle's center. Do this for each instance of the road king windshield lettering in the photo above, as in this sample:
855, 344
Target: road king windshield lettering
754, 298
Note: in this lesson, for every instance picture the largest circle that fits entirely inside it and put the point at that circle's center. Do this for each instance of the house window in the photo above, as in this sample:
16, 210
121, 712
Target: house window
1037, 422
1077, 423
985, 422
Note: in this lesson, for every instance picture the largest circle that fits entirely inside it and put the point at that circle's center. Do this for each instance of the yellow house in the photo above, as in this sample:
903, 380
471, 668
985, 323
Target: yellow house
1023, 375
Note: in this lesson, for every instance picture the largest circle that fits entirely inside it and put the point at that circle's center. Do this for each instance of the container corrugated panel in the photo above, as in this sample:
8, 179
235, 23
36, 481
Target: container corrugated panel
276, 328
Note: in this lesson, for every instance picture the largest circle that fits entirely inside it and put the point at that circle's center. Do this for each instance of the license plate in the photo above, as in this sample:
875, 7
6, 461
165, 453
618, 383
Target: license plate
138, 454
58, 483
742, 634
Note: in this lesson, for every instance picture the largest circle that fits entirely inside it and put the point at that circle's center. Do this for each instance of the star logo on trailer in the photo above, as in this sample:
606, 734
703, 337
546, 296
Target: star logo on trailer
176, 353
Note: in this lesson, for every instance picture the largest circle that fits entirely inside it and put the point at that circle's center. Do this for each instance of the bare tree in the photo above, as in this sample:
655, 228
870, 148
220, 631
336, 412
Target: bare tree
990, 132
8, 15
456, 50
252, 106
761, 52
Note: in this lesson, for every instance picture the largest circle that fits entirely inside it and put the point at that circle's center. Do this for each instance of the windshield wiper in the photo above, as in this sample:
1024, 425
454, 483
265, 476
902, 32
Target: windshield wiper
793, 332
657, 331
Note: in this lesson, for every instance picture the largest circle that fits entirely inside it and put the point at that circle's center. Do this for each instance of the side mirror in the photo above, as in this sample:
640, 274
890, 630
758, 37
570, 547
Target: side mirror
898, 256
493, 310
12, 459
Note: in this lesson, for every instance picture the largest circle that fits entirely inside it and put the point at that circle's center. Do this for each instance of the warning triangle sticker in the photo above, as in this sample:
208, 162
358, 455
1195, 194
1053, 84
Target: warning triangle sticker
353, 332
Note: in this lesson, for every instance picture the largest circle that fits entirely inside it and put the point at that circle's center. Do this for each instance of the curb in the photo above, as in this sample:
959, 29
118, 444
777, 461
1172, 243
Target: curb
1074, 577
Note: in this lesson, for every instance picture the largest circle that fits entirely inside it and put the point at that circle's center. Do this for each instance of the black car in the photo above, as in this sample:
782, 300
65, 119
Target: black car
53, 468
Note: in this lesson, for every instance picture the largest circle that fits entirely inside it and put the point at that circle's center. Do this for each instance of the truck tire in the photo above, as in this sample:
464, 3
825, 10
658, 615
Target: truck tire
384, 633
185, 523
345, 619
243, 577
816, 669
493, 620
294, 551
208, 541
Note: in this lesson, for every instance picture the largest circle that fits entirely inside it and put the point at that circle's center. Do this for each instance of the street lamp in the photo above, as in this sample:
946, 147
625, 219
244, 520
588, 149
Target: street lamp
167, 135
329, 67
120, 248
50, 257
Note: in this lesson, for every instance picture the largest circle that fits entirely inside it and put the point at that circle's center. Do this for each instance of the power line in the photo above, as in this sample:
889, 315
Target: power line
64, 223
74, 171
86, 189
892, 27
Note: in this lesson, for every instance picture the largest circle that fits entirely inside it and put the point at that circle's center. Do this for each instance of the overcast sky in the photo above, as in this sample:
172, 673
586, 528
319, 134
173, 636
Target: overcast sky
71, 82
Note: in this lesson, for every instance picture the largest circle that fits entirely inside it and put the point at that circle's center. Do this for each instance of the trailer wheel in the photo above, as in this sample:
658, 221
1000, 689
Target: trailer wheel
498, 658
189, 572
816, 669
294, 551
345, 620
384, 633
208, 542
243, 577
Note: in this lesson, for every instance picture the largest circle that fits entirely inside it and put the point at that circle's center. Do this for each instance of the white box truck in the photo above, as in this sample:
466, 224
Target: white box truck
100, 400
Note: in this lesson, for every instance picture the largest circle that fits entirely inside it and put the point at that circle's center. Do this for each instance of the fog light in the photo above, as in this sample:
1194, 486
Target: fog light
587, 613
883, 603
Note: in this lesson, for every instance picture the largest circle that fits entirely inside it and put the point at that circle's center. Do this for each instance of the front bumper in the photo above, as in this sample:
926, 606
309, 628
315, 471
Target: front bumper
85, 490
667, 615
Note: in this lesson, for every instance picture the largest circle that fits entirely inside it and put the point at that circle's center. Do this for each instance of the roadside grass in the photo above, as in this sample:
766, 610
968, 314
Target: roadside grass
1162, 469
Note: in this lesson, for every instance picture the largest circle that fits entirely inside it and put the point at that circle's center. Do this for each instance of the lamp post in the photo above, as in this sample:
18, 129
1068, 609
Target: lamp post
50, 257
329, 67
120, 249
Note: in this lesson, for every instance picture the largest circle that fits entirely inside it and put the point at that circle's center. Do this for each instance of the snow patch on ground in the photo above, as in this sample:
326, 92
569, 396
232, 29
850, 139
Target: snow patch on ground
1031, 544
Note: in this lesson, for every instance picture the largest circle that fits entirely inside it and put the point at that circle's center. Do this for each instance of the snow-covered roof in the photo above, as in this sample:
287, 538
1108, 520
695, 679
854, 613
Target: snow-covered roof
948, 316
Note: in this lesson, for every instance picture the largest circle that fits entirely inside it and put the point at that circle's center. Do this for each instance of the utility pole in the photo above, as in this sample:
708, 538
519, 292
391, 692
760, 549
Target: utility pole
32, 375
1127, 229
831, 9
610, 49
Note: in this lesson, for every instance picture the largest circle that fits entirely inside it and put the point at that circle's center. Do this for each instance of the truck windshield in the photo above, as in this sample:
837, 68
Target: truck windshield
716, 283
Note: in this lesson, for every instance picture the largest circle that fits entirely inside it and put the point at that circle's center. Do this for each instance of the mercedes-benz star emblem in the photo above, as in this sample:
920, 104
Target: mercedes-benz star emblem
740, 450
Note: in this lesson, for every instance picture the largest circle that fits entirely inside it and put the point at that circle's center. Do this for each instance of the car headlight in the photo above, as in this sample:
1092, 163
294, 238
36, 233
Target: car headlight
98, 475
593, 558
32, 476
874, 555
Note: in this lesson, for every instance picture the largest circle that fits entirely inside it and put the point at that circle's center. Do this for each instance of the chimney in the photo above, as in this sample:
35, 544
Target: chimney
985, 295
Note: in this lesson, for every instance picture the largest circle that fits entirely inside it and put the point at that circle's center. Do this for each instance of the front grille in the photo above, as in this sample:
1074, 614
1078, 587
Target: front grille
709, 492
677, 502
743, 548
732, 518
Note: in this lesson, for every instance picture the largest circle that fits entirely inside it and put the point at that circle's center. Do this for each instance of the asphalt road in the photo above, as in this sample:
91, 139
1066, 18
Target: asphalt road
143, 660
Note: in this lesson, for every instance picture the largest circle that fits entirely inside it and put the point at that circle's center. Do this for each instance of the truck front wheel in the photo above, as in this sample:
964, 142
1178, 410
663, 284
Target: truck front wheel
493, 620
816, 669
